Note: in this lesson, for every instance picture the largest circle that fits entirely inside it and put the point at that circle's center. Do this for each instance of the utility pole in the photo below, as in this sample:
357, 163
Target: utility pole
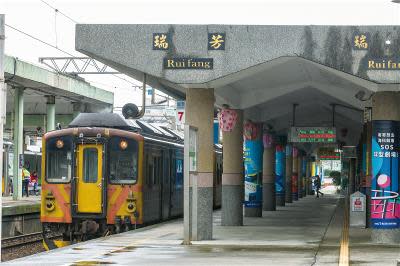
3, 96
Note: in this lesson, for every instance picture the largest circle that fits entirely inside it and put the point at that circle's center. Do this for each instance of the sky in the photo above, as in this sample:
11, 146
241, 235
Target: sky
39, 19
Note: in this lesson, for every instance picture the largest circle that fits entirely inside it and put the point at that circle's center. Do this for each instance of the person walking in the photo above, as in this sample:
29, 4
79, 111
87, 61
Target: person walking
25, 181
34, 180
318, 185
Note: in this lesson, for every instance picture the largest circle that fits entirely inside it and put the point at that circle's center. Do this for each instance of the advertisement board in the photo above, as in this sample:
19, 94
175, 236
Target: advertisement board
385, 201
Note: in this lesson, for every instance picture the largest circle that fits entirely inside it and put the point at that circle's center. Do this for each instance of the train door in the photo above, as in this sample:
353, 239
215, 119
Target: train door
89, 181
166, 186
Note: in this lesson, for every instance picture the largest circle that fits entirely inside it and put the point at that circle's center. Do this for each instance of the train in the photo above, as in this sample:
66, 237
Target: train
105, 174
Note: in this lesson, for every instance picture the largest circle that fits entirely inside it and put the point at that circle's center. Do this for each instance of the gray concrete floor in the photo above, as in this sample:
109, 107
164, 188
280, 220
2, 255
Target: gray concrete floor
306, 232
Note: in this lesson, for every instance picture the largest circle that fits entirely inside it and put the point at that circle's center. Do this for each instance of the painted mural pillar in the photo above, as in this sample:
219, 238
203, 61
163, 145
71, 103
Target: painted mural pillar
385, 200
300, 175
280, 171
200, 114
269, 196
253, 158
295, 174
50, 113
231, 124
18, 142
288, 172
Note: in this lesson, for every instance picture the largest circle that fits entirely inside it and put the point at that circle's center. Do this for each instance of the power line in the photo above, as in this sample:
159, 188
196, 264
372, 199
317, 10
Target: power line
63, 51
57, 10
39, 40
59, 49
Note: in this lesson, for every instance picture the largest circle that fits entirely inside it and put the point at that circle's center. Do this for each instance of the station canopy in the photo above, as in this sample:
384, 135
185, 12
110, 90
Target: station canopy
264, 70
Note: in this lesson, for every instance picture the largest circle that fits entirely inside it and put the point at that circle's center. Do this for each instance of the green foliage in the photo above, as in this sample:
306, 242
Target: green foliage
336, 177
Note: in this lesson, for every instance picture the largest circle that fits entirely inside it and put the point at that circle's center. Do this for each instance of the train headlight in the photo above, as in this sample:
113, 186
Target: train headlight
59, 143
123, 144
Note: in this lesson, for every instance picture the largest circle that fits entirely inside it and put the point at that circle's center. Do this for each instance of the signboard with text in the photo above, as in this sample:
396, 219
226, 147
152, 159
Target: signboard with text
385, 200
313, 135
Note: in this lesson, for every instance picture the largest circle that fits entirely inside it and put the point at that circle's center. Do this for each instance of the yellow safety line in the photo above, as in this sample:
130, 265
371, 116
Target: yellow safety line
344, 254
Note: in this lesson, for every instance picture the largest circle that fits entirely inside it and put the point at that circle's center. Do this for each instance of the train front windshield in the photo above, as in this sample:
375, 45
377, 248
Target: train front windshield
59, 159
123, 158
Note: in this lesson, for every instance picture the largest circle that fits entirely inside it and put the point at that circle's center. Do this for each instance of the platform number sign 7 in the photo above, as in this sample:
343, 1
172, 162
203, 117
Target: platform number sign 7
180, 115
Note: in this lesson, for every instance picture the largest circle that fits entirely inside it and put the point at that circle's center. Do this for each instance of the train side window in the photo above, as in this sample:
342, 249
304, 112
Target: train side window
90, 165
59, 159
123, 154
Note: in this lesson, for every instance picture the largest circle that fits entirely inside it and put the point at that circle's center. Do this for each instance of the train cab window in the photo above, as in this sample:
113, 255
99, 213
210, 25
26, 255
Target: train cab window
123, 154
90, 158
59, 159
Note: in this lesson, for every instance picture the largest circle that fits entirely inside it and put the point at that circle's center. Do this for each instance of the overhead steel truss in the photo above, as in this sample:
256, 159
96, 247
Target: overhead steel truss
76, 65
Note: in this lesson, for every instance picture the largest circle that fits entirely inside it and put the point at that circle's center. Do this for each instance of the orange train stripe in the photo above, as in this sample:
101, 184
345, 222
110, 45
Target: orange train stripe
117, 205
61, 202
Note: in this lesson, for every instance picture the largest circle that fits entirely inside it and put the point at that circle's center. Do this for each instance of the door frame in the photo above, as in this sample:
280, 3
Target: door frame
74, 205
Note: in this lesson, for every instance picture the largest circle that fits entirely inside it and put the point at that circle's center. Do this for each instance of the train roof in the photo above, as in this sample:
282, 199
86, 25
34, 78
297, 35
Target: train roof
108, 120
117, 121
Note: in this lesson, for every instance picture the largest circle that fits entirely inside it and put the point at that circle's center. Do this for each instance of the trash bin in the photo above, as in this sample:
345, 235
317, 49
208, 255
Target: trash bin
358, 212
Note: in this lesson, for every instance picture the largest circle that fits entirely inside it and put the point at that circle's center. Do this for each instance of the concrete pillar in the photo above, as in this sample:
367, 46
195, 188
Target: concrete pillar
295, 174
280, 167
269, 200
288, 171
368, 174
300, 176
232, 177
200, 113
386, 108
18, 142
51, 113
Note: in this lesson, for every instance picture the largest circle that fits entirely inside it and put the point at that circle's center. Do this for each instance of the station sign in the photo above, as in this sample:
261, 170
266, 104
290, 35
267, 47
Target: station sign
312, 135
189, 63
180, 113
361, 41
328, 154
385, 63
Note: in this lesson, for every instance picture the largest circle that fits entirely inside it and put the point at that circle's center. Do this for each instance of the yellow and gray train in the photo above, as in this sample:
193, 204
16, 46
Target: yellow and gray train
105, 174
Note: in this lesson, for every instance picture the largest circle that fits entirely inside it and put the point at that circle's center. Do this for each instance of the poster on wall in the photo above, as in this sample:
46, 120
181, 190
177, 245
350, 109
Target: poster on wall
253, 151
385, 201
280, 171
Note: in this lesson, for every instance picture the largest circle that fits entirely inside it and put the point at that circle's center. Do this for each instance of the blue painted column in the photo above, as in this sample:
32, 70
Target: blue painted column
295, 174
280, 165
253, 157
288, 173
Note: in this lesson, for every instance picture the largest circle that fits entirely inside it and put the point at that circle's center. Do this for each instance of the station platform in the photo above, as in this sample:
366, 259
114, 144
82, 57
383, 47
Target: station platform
306, 232
12, 207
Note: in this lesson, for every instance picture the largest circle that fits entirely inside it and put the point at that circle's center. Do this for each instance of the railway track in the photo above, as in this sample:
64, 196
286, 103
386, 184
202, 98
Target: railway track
20, 240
